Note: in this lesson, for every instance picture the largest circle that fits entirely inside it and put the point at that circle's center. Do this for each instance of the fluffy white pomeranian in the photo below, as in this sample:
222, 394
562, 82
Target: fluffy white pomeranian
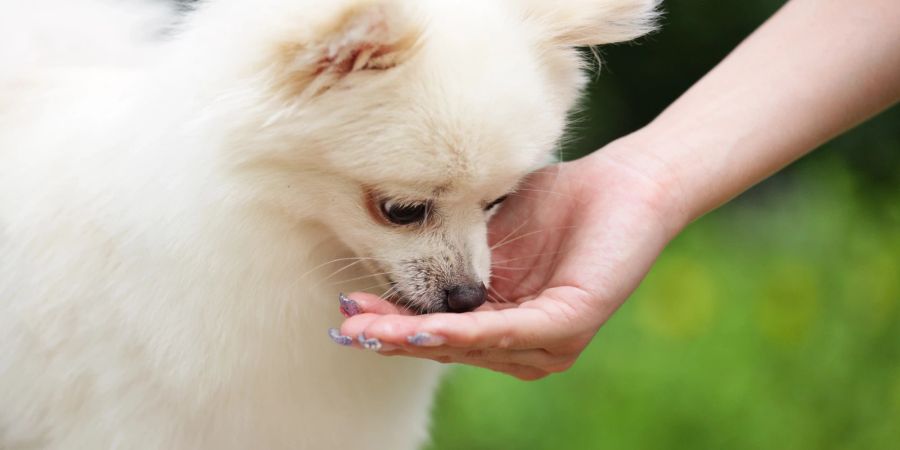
176, 204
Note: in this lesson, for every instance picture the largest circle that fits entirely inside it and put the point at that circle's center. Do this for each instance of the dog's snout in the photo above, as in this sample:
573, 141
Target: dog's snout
465, 297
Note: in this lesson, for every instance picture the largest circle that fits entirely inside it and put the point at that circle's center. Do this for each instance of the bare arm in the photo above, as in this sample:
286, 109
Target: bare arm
814, 70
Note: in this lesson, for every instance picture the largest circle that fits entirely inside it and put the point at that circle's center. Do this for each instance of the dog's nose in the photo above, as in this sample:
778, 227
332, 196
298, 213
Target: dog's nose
465, 297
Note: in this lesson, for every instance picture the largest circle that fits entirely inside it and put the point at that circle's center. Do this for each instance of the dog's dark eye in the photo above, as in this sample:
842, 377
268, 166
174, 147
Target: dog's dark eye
494, 203
405, 214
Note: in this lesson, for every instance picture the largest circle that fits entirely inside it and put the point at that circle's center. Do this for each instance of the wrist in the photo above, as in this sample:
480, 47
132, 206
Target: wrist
649, 181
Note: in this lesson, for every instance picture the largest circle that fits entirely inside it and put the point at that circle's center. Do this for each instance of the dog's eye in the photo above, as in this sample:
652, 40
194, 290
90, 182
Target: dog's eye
494, 203
405, 214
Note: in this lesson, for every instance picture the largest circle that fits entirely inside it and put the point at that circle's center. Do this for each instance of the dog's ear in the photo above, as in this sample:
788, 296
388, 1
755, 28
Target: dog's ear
368, 35
577, 23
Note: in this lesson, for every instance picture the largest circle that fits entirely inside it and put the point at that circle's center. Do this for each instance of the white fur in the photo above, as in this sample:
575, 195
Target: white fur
168, 209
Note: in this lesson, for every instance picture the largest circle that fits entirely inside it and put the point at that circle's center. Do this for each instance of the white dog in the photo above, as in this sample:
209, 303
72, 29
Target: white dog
168, 211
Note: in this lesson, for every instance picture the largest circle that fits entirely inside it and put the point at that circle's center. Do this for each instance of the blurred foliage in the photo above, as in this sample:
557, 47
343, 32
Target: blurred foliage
767, 324
773, 322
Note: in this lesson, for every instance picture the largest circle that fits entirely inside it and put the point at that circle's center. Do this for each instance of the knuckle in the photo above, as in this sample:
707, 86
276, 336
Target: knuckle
505, 342
475, 354
468, 338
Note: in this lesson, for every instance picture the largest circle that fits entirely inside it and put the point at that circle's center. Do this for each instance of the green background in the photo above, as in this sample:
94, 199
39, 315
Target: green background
770, 323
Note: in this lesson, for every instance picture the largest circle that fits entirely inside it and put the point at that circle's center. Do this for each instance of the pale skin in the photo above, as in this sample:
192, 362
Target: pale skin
580, 236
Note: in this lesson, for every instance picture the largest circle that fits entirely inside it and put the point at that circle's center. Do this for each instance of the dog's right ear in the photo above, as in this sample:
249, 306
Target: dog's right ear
575, 23
374, 35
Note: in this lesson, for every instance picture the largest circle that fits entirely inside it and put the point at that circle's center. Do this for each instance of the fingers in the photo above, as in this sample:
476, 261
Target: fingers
482, 329
539, 337
531, 363
540, 323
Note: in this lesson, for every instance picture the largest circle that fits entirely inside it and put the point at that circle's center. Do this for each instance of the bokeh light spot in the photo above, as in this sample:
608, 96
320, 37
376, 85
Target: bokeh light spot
679, 300
789, 303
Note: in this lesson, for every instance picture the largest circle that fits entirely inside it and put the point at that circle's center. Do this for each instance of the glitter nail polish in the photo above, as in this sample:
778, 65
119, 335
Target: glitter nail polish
349, 308
426, 340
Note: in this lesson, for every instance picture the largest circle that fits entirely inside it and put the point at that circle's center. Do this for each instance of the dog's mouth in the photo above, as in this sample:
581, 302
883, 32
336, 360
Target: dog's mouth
397, 297
417, 306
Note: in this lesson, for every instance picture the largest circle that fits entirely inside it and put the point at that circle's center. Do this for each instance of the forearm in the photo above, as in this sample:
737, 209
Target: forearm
814, 70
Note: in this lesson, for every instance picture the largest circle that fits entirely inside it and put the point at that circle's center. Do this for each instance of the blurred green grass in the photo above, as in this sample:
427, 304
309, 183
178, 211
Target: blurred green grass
773, 322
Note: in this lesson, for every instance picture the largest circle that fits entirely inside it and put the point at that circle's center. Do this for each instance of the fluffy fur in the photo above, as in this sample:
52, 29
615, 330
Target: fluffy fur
170, 202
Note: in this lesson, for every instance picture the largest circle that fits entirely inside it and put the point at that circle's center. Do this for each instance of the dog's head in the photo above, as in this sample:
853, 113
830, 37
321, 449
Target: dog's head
402, 125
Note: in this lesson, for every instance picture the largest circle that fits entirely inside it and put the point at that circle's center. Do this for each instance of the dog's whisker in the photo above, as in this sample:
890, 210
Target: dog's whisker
391, 291
504, 261
541, 191
354, 258
367, 288
511, 233
342, 269
521, 268
532, 233
371, 275
528, 267
494, 292
495, 266
501, 277
310, 271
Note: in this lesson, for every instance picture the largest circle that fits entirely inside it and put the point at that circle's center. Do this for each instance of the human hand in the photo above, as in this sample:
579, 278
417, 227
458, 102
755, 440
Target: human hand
568, 249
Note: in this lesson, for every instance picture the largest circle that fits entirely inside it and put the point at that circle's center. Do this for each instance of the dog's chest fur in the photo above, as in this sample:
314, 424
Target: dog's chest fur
160, 330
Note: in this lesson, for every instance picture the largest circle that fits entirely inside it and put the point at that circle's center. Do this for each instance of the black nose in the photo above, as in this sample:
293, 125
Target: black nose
465, 297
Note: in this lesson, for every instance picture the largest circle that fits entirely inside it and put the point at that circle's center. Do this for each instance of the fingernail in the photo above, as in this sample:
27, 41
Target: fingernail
339, 339
349, 308
369, 344
426, 340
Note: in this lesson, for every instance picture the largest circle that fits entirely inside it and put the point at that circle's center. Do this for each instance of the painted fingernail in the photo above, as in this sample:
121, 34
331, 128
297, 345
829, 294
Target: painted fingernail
349, 308
369, 344
339, 339
426, 340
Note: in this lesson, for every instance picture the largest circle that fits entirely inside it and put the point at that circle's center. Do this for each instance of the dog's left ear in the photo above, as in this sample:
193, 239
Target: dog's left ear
366, 36
577, 23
